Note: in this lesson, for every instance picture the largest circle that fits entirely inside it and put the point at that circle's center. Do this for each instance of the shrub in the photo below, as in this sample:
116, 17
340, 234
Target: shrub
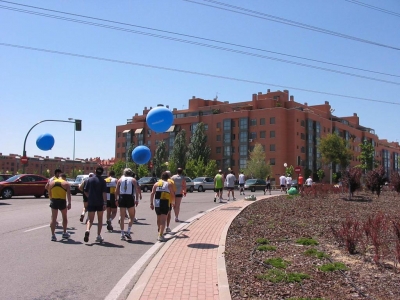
275, 276
262, 241
266, 248
307, 241
278, 263
395, 181
351, 233
331, 267
314, 252
352, 178
375, 179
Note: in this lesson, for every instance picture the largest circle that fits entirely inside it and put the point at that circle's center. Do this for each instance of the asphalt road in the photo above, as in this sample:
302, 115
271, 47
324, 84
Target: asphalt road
33, 267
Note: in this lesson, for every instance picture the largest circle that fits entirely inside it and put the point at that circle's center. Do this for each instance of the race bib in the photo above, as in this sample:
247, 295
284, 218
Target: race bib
157, 203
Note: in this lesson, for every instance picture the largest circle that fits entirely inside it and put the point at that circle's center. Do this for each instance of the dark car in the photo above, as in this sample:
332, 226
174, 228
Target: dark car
146, 183
255, 185
5, 176
24, 185
294, 183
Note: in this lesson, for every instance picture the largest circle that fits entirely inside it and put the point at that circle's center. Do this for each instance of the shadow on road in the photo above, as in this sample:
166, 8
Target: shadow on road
105, 244
140, 242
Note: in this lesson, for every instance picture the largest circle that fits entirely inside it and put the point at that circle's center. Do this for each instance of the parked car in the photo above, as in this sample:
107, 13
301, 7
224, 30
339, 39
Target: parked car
75, 185
255, 185
201, 184
294, 183
24, 185
147, 183
4, 177
189, 184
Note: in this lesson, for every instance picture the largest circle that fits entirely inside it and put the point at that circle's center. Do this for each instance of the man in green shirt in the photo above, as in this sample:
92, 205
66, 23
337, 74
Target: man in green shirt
218, 186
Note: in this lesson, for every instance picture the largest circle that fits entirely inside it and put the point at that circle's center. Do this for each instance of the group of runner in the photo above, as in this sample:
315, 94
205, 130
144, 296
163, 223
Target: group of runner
108, 194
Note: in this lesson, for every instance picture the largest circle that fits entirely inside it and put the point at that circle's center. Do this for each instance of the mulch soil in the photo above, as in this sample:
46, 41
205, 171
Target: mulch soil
283, 220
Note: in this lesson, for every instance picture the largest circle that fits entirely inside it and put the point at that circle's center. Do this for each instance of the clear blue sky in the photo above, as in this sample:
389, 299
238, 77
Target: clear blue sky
38, 85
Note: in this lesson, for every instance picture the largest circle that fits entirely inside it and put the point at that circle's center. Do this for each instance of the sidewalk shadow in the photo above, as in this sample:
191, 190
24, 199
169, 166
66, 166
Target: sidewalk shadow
203, 246
70, 242
105, 244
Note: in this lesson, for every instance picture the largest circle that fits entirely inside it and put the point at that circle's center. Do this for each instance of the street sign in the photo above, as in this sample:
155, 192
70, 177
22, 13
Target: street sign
297, 169
24, 160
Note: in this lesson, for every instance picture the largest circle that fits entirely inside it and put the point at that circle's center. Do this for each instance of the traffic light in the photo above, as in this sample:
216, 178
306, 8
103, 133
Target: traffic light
78, 125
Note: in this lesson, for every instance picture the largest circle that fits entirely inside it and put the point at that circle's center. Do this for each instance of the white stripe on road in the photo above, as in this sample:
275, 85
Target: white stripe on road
37, 228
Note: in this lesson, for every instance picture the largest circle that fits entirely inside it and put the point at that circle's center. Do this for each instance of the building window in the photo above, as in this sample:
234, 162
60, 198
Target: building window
233, 123
253, 135
242, 163
219, 125
243, 150
272, 147
117, 145
218, 150
272, 120
193, 127
218, 138
227, 125
233, 137
119, 134
272, 134
243, 137
272, 161
262, 121
244, 123
205, 127
227, 151
303, 136
262, 134
149, 143
227, 137
253, 122
302, 123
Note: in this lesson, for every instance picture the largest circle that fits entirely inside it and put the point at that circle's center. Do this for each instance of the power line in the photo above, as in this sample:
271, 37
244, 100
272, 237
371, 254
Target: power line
204, 45
374, 7
190, 72
259, 15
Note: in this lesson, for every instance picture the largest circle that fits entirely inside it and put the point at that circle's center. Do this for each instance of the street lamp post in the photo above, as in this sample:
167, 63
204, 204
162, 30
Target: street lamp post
73, 153
41, 159
330, 169
17, 158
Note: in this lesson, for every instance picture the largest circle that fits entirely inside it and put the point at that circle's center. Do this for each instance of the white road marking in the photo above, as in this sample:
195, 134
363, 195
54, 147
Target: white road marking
37, 228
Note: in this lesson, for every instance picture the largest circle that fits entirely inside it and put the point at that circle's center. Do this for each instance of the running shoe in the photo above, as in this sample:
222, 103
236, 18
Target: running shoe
99, 239
161, 238
81, 218
215, 199
177, 220
109, 226
86, 238
66, 235
119, 220
53, 238
168, 230
128, 236
123, 238
233, 198
135, 220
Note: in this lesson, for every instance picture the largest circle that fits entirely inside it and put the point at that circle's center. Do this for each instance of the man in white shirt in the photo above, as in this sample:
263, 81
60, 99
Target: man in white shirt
309, 181
242, 179
230, 180
288, 182
282, 181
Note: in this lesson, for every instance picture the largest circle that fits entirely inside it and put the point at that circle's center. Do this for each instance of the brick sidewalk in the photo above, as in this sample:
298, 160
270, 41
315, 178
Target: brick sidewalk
191, 265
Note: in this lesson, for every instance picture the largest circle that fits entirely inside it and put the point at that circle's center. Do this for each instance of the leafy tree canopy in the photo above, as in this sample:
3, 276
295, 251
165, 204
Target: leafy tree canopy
366, 156
198, 147
256, 165
179, 151
334, 150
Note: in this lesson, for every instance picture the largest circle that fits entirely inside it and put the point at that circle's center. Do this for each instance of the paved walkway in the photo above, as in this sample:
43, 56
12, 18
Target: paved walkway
191, 265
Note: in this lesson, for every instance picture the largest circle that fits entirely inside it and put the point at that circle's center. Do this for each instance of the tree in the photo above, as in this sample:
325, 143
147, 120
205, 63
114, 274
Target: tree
367, 156
198, 147
352, 177
160, 159
320, 174
256, 165
142, 171
334, 149
179, 151
395, 181
211, 168
119, 166
375, 179
289, 170
195, 168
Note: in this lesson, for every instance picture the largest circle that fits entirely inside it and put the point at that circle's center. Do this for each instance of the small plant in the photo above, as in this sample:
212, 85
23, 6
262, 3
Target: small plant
349, 234
278, 263
307, 242
352, 177
331, 267
250, 222
375, 180
266, 248
314, 252
275, 276
262, 241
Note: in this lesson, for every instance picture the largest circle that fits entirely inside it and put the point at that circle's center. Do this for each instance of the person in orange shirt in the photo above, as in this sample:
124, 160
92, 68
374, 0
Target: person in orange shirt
300, 182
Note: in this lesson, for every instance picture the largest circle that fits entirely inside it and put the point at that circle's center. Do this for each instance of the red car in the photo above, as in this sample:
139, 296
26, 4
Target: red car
24, 185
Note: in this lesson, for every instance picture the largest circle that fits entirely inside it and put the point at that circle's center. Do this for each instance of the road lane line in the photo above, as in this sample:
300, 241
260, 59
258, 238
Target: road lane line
37, 228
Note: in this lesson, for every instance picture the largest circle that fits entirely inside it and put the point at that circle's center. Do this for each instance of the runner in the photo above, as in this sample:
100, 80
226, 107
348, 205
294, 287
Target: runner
126, 196
85, 198
57, 173
96, 192
282, 181
180, 185
111, 182
59, 193
218, 186
268, 187
241, 182
230, 181
172, 183
161, 198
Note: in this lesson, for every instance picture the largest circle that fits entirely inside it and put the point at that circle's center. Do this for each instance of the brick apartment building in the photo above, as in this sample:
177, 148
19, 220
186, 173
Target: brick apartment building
289, 132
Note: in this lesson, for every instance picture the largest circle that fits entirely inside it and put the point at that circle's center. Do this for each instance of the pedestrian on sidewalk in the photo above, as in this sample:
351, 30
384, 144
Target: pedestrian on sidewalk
57, 173
268, 188
242, 180
172, 183
85, 198
180, 185
230, 180
59, 193
96, 192
282, 181
127, 197
112, 208
161, 198
218, 186
288, 182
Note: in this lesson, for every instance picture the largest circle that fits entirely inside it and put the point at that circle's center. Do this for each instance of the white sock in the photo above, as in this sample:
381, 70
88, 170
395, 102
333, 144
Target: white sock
129, 229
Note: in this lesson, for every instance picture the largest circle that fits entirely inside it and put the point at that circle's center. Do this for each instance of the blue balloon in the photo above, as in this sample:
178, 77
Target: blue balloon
45, 142
141, 155
159, 119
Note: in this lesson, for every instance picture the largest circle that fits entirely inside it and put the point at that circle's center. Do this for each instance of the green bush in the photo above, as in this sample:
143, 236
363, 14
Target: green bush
333, 267
262, 241
266, 248
307, 242
278, 263
275, 276
316, 253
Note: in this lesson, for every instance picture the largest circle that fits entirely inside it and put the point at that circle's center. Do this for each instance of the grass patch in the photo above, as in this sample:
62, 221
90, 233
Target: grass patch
314, 252
266, 248
307, 242
275, 276
278, 262
333, 267
262, 241
250, 222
